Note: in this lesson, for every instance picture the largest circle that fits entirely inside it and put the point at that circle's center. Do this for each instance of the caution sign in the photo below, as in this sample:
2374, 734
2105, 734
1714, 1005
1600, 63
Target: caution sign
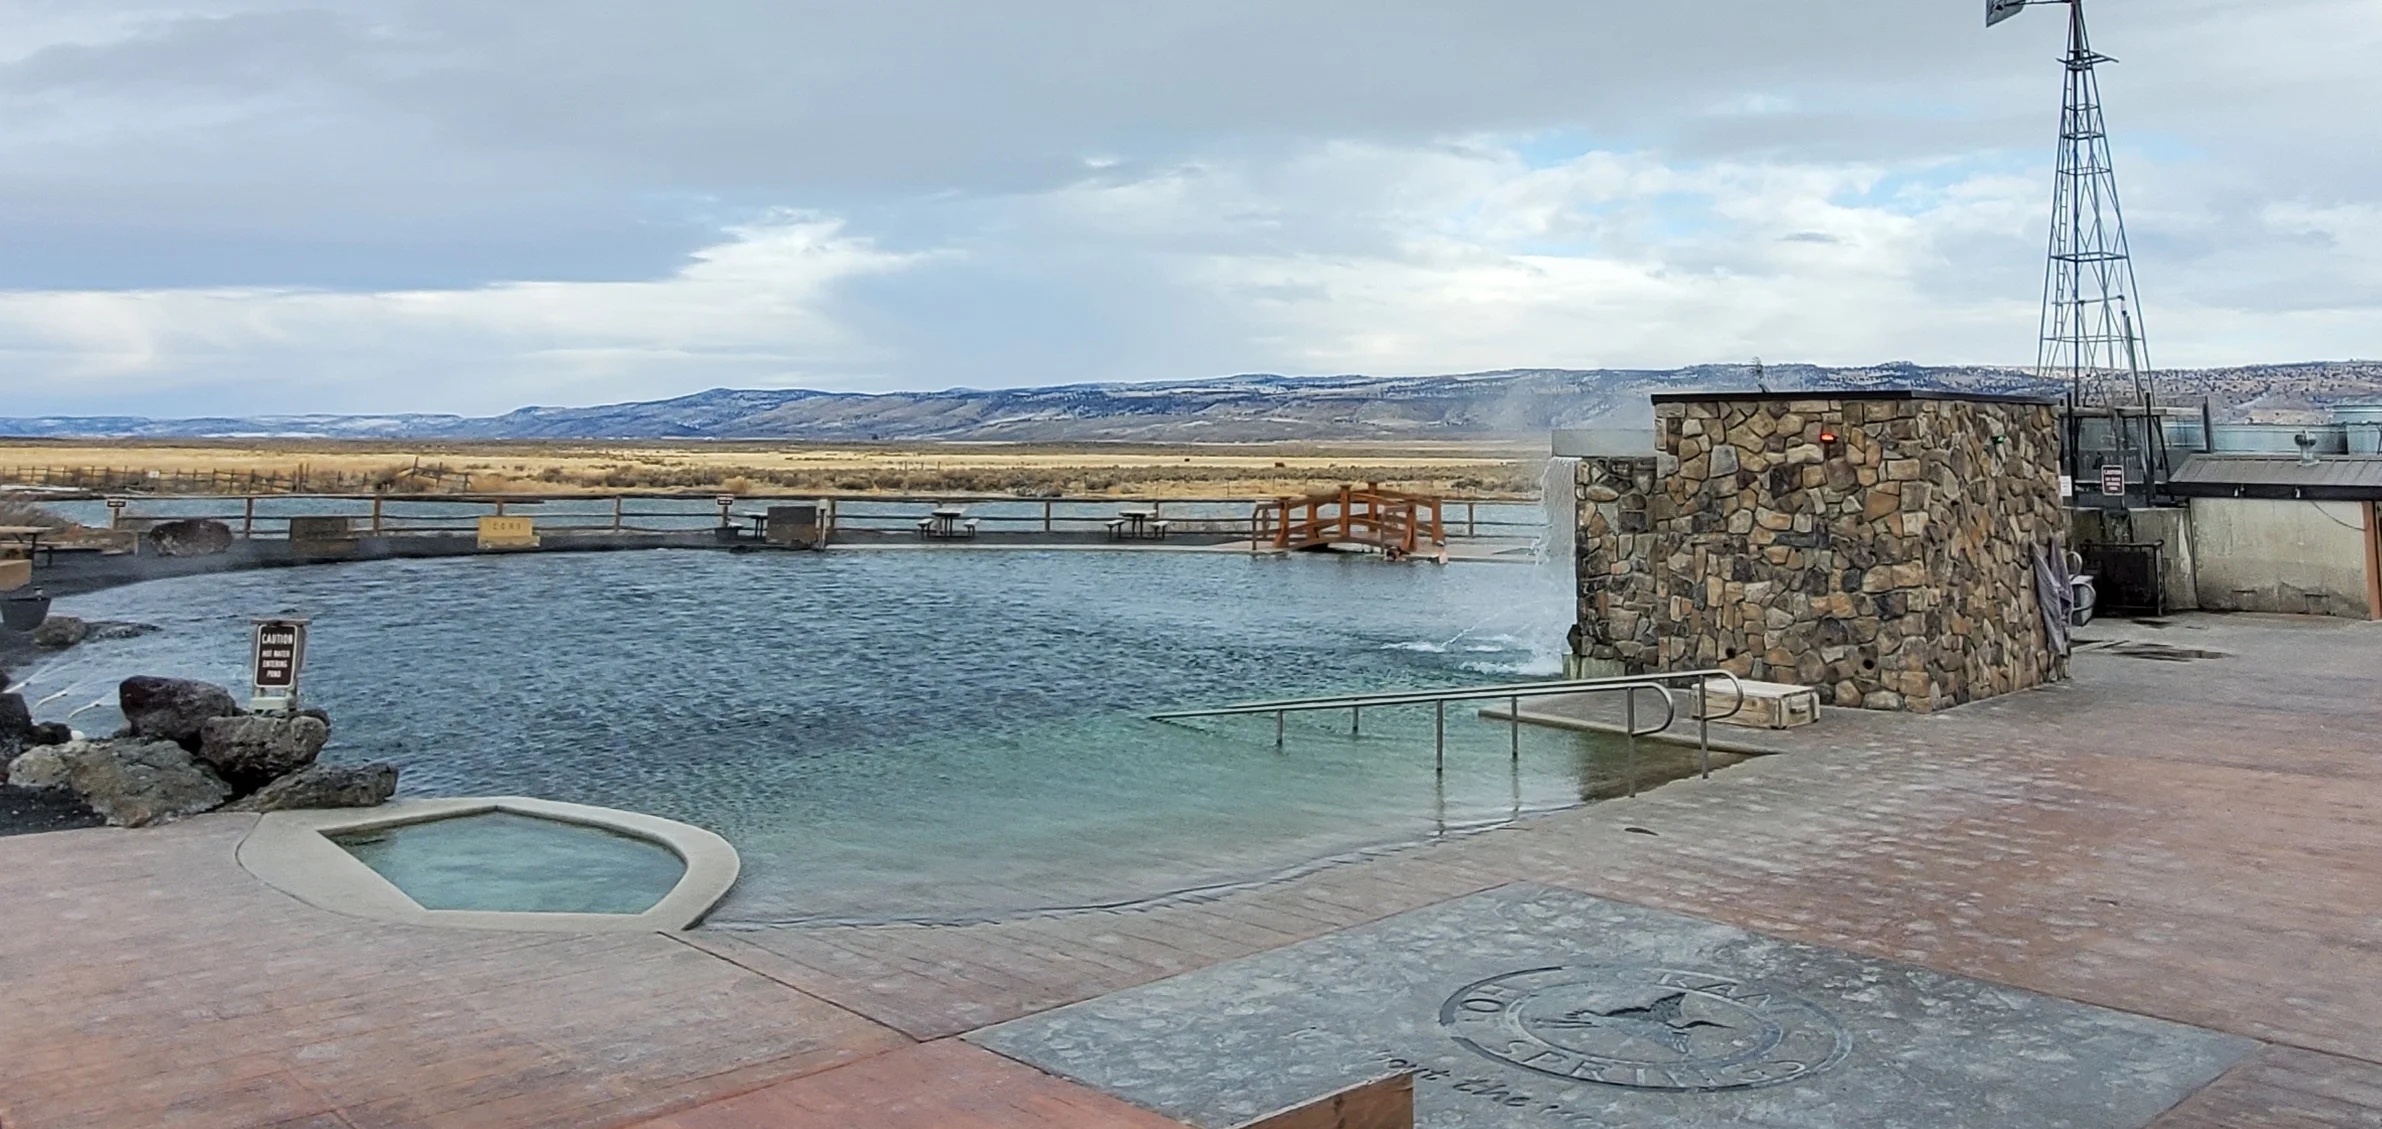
277, 657
2113, 479
508, 533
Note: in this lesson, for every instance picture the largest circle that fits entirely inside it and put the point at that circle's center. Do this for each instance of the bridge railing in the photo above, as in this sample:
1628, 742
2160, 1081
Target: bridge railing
1370, 516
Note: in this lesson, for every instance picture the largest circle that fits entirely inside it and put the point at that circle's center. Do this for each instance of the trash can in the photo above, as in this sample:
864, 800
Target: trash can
24, 612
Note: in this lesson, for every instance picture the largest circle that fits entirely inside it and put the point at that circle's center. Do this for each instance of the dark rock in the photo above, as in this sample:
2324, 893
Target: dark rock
138, 783
114, 629
16, 725
60, 632
325, 786
251, 751
171, 709
190, 537
50, 733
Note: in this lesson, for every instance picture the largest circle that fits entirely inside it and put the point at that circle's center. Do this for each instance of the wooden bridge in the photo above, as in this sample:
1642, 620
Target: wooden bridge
1393, 521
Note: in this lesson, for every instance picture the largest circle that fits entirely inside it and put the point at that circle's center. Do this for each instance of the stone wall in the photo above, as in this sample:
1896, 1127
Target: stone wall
1878, 546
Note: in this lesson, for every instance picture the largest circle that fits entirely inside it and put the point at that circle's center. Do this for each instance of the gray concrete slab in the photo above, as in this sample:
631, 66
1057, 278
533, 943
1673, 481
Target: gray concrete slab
1529, 1006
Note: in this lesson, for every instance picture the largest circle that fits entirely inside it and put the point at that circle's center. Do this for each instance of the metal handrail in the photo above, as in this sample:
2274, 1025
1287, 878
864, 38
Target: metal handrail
1628, 686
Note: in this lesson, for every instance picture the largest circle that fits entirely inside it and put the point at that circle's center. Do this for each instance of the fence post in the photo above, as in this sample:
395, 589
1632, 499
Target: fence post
248, 515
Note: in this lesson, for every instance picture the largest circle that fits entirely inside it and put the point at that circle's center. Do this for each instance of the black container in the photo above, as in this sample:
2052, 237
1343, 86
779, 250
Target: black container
24, 613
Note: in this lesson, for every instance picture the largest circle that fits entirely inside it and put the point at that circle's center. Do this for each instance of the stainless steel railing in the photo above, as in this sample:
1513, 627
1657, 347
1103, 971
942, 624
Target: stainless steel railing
1629, 687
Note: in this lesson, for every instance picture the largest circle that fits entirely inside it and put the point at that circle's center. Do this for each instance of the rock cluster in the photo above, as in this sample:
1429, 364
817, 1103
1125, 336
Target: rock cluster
190, 537
187, 748
1880, 548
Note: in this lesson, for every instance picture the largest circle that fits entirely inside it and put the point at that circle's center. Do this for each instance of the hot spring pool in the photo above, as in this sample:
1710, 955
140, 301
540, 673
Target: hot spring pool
899, 735
517, 863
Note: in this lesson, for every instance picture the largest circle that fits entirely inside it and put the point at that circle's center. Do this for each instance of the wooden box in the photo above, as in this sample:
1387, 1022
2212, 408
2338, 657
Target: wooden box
1768, 705
15, 574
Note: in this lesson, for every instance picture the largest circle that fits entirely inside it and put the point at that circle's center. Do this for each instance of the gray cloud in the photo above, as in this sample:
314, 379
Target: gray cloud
1113, 191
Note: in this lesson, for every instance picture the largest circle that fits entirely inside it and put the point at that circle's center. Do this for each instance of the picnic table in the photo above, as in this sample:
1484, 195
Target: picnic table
27, 535
1134, 523
947, 523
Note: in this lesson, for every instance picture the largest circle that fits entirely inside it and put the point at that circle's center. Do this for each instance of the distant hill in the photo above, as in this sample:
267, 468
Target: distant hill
1250, 408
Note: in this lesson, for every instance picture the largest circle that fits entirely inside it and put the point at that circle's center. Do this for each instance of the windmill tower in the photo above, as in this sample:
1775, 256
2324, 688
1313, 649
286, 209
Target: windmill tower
2092, 335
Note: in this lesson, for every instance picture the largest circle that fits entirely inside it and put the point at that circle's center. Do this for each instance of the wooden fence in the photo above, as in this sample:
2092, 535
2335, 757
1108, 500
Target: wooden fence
300, 480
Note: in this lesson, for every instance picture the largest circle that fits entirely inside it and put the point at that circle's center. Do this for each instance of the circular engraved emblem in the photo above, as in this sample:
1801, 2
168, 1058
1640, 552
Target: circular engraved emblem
1646, 1028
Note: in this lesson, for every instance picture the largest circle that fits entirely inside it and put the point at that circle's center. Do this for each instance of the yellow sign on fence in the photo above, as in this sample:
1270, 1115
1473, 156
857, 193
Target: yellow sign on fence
508, 533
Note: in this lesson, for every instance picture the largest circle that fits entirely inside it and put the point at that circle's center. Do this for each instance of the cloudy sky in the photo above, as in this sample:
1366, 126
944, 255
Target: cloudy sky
466, 205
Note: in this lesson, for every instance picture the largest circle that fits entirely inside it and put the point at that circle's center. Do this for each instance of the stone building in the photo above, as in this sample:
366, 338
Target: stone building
1881, 546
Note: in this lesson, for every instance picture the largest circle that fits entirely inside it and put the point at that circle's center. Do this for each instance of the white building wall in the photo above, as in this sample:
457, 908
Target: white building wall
2265, 555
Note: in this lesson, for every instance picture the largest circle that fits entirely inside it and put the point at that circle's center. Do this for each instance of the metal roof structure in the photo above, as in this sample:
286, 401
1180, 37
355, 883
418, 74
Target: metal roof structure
2333, 478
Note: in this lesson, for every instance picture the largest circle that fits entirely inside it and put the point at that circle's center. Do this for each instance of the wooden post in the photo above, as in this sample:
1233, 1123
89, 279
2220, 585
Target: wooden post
2373, 559
376, 500
1046, 515
1471, 523
248, 516
616, 504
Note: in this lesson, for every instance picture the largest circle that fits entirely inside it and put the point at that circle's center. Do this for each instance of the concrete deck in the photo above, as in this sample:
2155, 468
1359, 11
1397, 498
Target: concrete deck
2191, 841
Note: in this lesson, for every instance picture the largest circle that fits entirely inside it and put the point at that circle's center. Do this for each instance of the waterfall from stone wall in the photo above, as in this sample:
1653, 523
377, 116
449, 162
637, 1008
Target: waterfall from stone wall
1558, 492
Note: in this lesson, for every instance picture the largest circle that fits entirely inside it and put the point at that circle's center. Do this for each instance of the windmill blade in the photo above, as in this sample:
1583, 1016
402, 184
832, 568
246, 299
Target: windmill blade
1998, 10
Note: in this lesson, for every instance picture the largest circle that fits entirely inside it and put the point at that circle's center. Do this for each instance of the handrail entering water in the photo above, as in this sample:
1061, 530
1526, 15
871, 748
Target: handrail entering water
1629, 686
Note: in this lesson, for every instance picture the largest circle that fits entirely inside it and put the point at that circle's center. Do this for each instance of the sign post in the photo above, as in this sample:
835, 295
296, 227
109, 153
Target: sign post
278, 655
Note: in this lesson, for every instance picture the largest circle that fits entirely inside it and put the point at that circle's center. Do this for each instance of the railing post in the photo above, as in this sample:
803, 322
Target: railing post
1356, 722
1279, 715
376, 500
1439, 735
617, 503
248, 518
1703, 728
1046, 515
1514, 704
1629, 714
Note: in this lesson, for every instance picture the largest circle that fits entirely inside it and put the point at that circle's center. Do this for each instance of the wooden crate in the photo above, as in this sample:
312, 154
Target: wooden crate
1768, 705
15, 574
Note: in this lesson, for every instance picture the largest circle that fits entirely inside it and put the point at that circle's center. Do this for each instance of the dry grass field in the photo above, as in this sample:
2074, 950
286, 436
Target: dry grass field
1033, 470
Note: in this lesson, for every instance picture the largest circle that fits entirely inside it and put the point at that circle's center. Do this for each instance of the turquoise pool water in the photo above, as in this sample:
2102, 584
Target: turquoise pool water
517, 863
904, 735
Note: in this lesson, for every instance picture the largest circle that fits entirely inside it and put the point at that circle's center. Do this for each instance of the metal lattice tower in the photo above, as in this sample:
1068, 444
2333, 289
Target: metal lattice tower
2092, 335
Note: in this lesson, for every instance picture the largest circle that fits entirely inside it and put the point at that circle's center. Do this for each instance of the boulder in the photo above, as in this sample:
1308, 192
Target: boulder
171, 709
251, 751
60, 632
325, 786
50, 733
190, 537
16, 724
140, 782
43, 767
